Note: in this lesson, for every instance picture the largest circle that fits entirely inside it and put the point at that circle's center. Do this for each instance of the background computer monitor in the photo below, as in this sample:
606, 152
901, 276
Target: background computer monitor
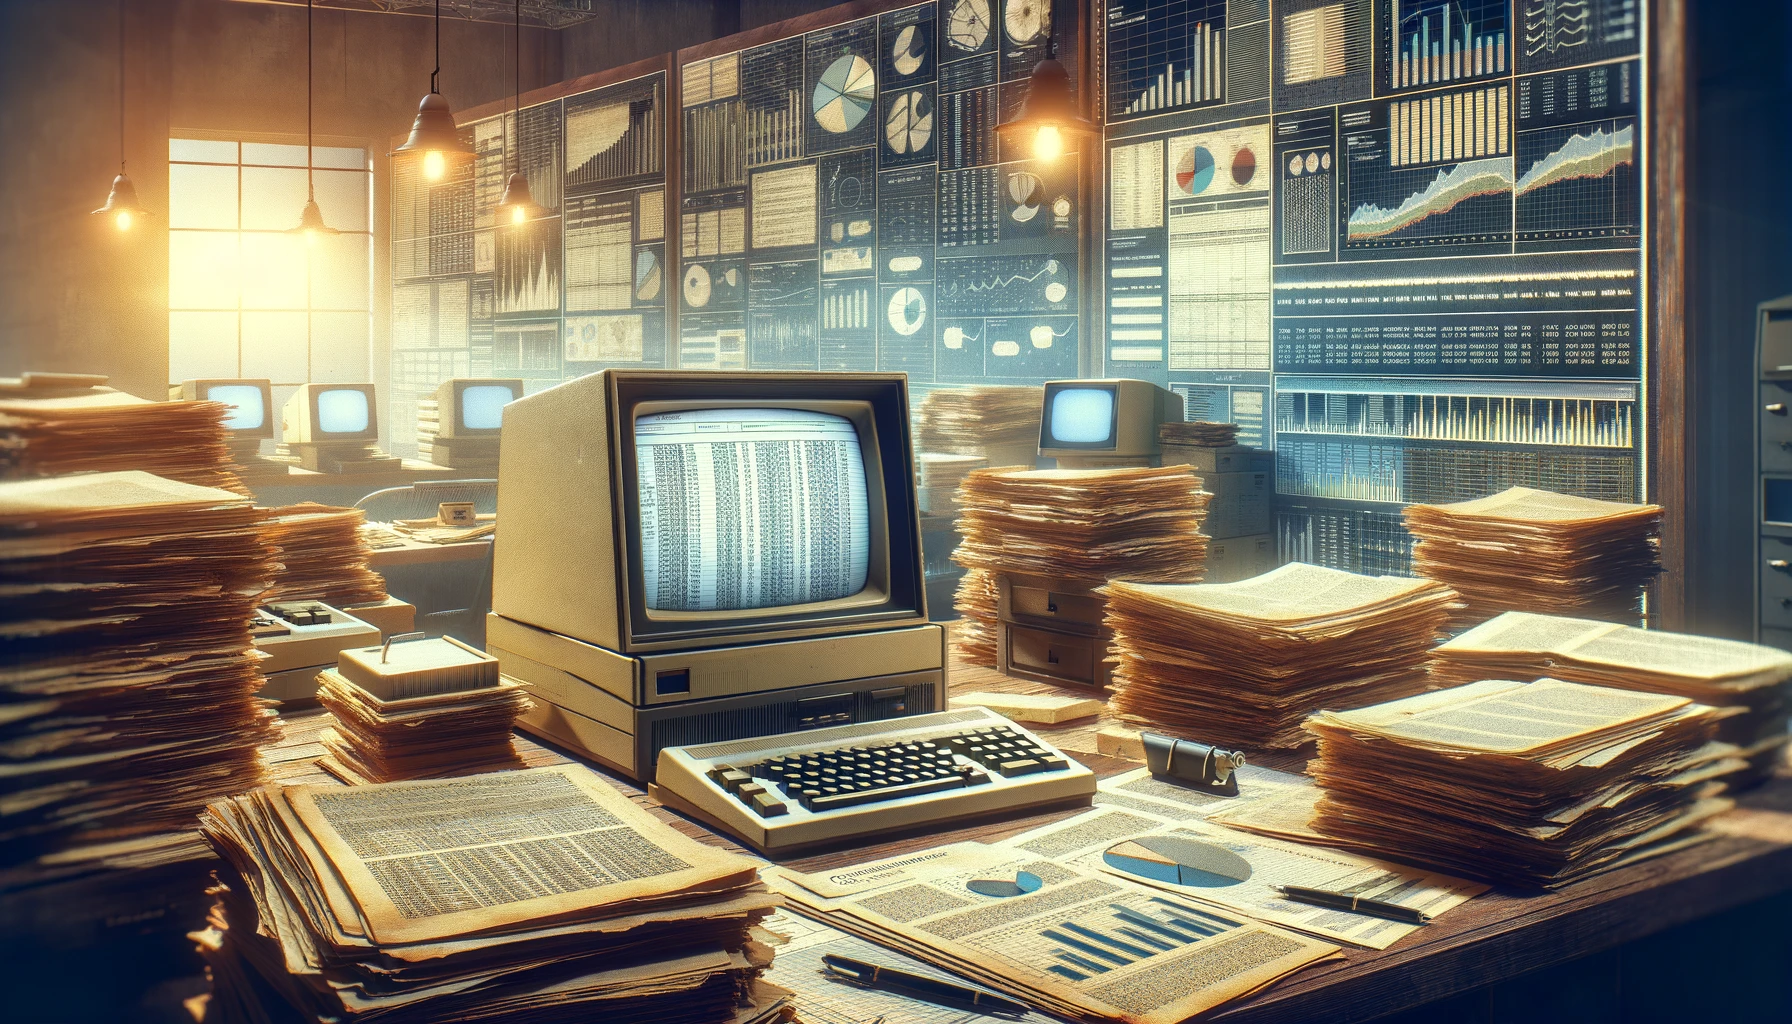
469, 407
1104, 421
251, 402
615, 533
329, 413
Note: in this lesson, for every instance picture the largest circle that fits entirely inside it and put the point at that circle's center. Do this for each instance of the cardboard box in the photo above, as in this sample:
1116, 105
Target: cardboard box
1240, 558
1240, 504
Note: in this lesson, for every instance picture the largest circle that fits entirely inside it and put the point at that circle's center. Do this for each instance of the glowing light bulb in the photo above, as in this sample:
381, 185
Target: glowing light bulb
434, 165
518, 214
123, 220
310, 237
1048, 144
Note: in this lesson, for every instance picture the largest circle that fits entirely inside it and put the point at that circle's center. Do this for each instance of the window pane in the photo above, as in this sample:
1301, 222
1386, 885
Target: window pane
272, 198
342, 195
339, 272
339, 156
274, 347
202, 270
273, 270
201, 345
339, 347
201, 196
265, 153
202, 150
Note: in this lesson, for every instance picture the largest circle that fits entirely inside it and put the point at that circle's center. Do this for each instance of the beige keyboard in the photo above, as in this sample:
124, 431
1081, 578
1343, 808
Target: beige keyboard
828, 786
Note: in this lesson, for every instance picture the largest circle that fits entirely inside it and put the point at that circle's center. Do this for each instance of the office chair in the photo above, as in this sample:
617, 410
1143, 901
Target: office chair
451, 597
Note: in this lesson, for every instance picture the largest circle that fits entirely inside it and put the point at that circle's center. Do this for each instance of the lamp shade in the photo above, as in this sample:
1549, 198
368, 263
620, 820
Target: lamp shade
1049, 103
434, 131
518, 203
123, 198
311, 221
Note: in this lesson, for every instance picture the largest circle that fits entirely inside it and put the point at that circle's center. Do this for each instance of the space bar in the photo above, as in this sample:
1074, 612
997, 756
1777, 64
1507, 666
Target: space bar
839, 800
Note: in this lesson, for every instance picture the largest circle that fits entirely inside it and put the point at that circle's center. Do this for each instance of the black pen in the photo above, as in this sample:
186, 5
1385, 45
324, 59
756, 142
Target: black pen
932, 990
1357, 904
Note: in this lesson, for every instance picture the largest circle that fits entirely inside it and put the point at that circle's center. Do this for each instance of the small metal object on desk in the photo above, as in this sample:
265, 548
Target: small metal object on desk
386, 648
1209, 769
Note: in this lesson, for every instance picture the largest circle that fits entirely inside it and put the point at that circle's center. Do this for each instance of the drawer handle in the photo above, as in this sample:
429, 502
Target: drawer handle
1051, 657
1051, 606
1786, 602
1777, 408
1786, 445
1779, 563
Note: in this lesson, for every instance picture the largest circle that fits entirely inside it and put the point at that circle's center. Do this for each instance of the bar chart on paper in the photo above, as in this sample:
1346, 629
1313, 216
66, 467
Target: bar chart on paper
1120, 934
1430, 42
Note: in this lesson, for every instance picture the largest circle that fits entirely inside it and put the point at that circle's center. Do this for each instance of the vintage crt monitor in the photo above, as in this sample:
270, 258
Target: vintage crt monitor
460, 428
251, 416
1100, 424
332, 428
701, 557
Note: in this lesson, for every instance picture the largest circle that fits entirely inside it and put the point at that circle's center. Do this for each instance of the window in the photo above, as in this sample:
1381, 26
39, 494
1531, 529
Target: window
246, 299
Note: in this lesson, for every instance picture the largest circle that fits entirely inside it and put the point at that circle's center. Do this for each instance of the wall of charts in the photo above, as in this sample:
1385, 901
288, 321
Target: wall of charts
826, 194
846, 204
578, 287
1398, 240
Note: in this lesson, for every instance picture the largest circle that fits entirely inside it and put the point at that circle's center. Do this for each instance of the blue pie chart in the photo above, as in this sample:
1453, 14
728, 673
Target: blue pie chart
1194, 171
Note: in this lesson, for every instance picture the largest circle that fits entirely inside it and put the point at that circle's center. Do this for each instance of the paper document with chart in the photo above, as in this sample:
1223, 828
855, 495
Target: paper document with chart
1206, 861
1084, 947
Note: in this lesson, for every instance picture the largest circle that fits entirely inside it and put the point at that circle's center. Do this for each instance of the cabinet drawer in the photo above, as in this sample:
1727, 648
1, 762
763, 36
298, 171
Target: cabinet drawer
1054, 657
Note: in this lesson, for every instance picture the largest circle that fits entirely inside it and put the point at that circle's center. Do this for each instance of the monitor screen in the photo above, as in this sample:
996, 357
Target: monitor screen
246, 411
1082, 416
482, 406
750, 508
342, 411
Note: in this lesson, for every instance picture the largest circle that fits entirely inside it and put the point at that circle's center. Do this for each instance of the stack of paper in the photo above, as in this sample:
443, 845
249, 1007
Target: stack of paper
1755, 682
1243, 664
1200, 434
526, 896
1538, 551
938, 478
1080, 526
974, 634
129, 685
1068, 942
996, 421
1534, 784
323, 556
99, 430
425, 737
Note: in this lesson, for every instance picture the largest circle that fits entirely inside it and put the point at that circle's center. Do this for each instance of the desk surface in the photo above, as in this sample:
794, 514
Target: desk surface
418, 552
1491, 938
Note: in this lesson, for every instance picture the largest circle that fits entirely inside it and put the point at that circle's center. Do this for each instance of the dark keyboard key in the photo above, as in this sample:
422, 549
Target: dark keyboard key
1024, 766
768, 806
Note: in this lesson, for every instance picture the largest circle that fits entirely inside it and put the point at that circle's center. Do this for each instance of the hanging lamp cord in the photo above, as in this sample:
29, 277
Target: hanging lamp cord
310, 183
121, 87
433, 75
516, 33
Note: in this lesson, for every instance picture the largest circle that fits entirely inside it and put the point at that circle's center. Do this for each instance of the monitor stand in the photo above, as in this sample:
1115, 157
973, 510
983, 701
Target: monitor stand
344, 457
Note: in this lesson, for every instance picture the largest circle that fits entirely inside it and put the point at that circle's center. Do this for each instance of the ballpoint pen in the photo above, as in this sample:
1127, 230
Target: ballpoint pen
932, 990
1356, 904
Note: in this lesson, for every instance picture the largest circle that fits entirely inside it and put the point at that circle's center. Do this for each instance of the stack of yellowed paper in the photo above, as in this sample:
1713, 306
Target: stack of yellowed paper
1533, 784
1243, 664
1082, 527
322, 556
996, 421
938, 477
97, 430
465, 732
128, 686
1066, 941
524, 897
1753, 681
1538, 551
974, 634
1199, 434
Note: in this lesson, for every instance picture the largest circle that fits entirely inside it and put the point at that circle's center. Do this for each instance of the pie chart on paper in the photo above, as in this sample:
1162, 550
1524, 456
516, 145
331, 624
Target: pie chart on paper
908, 53
1178, 860
647, 276
696, 286
844, 95
910, 125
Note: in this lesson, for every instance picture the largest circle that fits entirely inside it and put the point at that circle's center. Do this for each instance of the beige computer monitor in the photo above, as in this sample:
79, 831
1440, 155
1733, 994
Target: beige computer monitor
578, 552
251, 417
473, 407
1102, 423
330, 413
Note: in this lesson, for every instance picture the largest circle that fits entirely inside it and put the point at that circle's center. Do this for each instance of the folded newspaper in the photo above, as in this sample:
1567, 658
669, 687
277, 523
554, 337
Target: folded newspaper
523, 896
1068, 941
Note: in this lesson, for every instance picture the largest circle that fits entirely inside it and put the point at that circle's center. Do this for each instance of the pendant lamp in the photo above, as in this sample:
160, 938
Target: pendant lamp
435, 141
121, 203
311, 220
518, 205
1049, 111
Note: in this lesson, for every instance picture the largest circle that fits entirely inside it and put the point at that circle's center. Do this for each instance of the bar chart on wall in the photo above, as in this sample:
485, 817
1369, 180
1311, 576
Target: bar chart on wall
1421, 282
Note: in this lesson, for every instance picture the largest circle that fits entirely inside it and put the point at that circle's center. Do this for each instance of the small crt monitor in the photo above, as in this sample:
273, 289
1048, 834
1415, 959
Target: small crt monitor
1104, 422
251, 403
329, 413
468, 407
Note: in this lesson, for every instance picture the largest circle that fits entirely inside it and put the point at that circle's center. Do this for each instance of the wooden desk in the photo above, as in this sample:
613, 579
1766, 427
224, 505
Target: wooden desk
299, 484
1491, 938
418, 552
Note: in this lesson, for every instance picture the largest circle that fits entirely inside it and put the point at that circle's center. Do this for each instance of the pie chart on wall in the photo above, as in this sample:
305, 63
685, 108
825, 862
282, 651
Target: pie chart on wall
844, 94
908, 311
1194, 170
